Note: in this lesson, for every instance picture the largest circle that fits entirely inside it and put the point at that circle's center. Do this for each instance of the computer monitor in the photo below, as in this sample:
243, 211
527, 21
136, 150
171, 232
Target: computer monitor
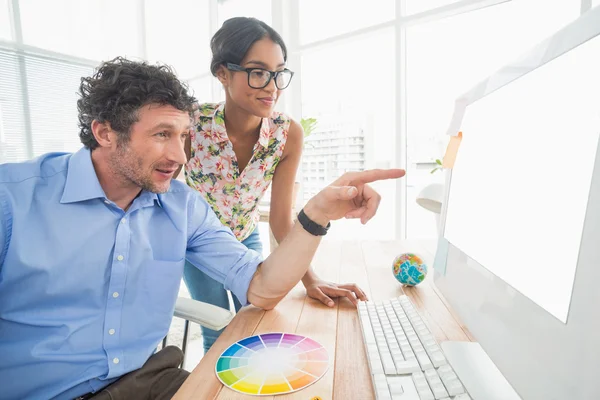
518, 256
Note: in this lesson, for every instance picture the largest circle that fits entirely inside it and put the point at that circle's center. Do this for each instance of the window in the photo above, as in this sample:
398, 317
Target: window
259, 9
445, 59
322, 19
13, 143
37, 126
54, 123
417, 6
185, 45
4, 21
352, 97
92, 29
202, 89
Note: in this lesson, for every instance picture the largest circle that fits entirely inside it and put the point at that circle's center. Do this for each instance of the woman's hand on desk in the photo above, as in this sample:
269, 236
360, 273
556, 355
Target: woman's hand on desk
324, 291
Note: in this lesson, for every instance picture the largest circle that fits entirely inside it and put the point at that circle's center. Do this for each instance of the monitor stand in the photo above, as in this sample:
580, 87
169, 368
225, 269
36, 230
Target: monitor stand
478, 373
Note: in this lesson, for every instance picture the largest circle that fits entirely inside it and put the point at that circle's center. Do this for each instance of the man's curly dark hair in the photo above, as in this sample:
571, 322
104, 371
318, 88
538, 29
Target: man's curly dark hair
119, 88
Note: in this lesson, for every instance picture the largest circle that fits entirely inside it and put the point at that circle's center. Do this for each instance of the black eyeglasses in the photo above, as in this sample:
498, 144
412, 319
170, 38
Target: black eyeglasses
259, 78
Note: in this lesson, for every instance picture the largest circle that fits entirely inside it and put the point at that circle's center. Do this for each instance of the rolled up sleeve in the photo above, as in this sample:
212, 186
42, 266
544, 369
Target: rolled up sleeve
213, 248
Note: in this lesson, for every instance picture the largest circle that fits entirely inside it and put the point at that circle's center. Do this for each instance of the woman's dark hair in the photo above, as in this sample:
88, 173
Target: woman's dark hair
119, 88
233, 40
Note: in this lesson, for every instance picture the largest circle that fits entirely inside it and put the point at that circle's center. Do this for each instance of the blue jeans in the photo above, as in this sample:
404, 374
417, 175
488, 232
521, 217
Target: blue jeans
204, 288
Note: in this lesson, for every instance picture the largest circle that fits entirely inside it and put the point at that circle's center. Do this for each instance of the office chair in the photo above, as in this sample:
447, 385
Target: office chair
205, 314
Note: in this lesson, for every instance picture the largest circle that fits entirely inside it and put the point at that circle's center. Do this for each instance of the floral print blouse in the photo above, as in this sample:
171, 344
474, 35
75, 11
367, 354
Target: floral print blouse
213, 169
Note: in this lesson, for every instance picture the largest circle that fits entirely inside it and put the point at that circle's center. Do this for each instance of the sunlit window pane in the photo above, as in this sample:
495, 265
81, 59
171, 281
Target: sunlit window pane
445, 59
260, 9
93, 29
202, 89
54, 123
352, 99
46, 119
417, 6
4, 20
322, 19
185, 46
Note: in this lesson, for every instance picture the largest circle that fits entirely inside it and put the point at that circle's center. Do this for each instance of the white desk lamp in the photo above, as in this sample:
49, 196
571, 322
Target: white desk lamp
431, 198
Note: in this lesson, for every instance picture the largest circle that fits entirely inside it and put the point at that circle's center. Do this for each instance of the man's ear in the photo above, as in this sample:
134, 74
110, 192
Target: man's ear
103, 133
223, 75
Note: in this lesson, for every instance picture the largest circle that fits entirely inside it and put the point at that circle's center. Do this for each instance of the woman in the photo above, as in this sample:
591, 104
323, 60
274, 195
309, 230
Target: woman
241, 145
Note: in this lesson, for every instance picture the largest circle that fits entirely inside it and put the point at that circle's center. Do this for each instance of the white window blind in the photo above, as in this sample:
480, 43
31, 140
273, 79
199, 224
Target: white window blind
38, 105
13, 143
5, 25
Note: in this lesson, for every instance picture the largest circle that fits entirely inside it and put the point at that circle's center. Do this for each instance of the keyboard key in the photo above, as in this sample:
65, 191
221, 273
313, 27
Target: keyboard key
445, 370
397, 354
376, 367
438, 359
395, 385
435, 383
454, 387
423, 360
388, 365
430, 373
425, 394
381, 387
451, 381
407, 367
463, 396
422, 386
439, 391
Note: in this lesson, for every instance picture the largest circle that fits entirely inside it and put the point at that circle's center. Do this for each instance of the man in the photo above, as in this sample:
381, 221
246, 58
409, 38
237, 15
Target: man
92, 245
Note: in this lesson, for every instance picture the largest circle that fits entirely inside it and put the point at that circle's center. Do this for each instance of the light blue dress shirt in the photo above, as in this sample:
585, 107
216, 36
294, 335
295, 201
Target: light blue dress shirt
87, 290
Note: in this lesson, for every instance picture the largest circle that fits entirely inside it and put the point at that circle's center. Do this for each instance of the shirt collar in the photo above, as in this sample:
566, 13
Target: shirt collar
82, 182
219, 131
147, 199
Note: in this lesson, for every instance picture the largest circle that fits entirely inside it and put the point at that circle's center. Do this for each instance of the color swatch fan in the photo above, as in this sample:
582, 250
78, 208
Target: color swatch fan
272, 363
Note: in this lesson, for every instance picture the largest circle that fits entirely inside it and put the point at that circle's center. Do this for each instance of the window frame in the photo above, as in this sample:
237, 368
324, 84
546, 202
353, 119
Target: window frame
285, 19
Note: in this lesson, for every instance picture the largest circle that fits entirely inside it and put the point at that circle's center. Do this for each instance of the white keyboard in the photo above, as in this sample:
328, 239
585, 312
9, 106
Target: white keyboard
405, 361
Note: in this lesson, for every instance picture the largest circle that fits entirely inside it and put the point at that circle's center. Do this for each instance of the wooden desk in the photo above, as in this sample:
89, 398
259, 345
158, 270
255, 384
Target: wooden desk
338, 329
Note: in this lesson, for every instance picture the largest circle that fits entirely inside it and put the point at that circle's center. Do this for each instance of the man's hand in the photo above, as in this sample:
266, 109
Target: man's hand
349, 196
324, 292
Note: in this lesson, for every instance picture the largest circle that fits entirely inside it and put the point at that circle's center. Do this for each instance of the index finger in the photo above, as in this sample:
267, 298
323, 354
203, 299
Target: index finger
373, 175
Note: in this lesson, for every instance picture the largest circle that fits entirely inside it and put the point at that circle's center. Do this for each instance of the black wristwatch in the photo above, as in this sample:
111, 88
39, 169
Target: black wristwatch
311, 226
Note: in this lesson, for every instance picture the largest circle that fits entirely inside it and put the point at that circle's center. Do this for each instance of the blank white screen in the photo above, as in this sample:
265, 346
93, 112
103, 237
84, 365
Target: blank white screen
521, 180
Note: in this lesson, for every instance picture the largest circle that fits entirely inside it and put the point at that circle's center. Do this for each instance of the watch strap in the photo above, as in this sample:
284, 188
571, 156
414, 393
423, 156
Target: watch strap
311, 226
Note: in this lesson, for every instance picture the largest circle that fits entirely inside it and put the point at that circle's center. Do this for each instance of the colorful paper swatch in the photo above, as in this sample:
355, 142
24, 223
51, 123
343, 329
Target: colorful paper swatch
272, 363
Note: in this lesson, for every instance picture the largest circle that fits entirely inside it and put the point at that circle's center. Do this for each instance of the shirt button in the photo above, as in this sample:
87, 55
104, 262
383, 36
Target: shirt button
123, 220
120, 257
107, 202
111, 331
115, 360
116, 294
